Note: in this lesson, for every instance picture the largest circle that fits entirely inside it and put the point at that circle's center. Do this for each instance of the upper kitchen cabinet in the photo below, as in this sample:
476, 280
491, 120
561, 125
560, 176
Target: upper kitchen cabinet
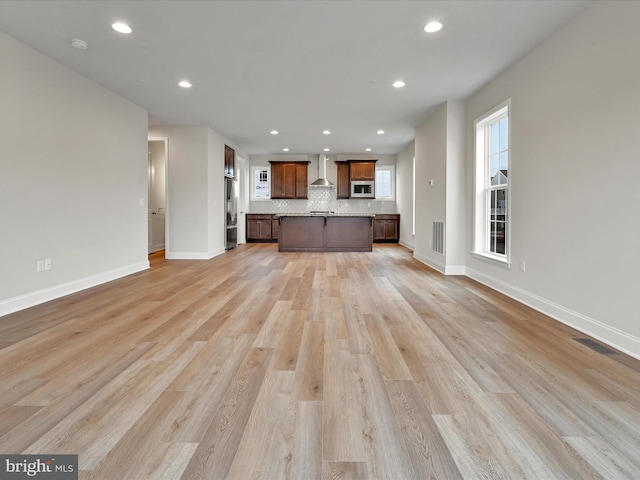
229, 161
289, 180
342, 185
362, 169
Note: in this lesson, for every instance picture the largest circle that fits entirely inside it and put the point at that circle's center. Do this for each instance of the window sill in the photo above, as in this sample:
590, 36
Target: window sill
503, 261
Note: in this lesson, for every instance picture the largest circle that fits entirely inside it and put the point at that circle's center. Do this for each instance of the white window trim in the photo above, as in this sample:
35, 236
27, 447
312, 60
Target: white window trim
392, 169
255, 168
481, 205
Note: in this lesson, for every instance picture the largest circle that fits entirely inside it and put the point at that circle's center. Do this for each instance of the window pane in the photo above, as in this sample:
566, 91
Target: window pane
501, 238
383, 183
504, 163
504, 134
494, 202
493, 162
261, 179
495, 166
501, 201
495, 138
492, 239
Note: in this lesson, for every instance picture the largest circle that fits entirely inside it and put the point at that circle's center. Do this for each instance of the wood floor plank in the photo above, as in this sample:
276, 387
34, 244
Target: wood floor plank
305, 366
428, 452
287, 351
36, 426
556, 457
217, 449
389, 456
148, 436
99, 423
343, 427
307, 441
358, 334
605, 459
344, 471
14, 415
208, 377
386, 350
265, 450
309, 375
274, 326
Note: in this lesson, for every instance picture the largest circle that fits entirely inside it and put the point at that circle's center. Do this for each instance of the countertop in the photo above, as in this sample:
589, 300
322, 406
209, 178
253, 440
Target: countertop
325, 214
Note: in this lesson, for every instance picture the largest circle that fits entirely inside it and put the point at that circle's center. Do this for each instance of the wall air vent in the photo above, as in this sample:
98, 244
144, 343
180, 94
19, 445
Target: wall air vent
438, 237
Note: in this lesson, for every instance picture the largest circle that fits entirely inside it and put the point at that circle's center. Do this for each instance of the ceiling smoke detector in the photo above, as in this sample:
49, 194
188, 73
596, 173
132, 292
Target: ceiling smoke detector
79, 44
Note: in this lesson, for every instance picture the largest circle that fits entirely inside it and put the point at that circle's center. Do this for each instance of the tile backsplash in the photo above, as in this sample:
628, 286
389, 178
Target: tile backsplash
324, 198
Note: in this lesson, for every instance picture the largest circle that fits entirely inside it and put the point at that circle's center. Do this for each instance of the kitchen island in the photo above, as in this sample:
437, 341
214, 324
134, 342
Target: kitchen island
325, 233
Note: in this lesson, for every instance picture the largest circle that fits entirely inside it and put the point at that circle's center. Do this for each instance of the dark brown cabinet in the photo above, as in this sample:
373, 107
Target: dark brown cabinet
289, 180
342, 184
260, 227
386, 228
362, 169
229, 161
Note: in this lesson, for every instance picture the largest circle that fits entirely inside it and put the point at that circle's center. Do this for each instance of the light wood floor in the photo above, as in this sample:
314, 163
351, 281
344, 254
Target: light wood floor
265, 365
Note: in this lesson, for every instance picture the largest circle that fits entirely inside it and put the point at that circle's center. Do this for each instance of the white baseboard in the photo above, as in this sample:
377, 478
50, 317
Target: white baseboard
429, 262
611, 336
441, 267
408, 245
21, 302
455, 270
193, 255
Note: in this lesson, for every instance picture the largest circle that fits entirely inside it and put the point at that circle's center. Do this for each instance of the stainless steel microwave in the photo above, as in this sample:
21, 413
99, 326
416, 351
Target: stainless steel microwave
363, 189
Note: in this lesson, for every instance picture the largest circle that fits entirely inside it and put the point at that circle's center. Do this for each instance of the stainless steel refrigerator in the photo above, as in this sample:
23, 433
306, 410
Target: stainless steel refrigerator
231, 215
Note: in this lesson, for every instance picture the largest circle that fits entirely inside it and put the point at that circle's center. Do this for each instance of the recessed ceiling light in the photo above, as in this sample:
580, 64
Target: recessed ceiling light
367, 149
380, 132
398, 84
273, 132
285, 149
79, 44
122, 28
184, 84
327, 150
432, 27
326, 132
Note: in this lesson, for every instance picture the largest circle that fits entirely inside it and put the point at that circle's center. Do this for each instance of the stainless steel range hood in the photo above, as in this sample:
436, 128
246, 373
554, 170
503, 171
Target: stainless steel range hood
322, 173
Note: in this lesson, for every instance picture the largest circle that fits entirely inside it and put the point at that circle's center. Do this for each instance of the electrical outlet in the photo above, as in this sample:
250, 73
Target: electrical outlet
47, 264
39, 265
522, 265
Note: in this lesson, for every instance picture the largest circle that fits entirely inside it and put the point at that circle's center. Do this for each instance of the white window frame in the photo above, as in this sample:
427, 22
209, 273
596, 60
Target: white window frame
483, 188
392, 174
254, 169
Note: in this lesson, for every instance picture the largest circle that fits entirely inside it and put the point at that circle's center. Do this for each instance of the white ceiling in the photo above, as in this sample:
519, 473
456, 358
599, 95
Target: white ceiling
299, 67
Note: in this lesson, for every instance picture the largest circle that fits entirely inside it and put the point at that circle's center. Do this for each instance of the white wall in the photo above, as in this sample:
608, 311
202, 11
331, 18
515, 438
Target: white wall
73, 171
404, 194
187, 184
575, 143
195, 183
456, 195
431, 158
216, 235
441, 187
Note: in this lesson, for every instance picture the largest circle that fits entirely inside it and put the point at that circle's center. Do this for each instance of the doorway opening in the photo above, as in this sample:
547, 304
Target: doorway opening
157, 214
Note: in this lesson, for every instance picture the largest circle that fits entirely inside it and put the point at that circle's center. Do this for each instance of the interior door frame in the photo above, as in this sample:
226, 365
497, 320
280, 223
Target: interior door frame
167, 221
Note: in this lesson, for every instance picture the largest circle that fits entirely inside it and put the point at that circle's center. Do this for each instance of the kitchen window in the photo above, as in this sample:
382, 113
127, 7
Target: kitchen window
492, 184
385, 188
261, 182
